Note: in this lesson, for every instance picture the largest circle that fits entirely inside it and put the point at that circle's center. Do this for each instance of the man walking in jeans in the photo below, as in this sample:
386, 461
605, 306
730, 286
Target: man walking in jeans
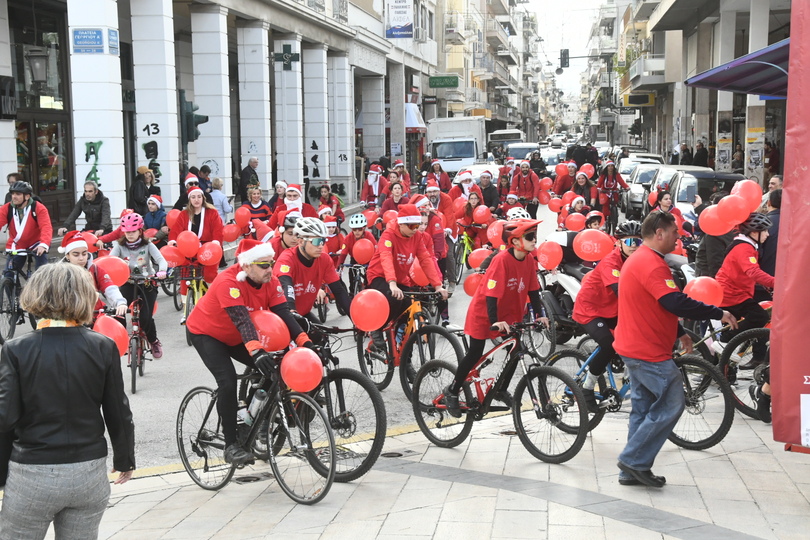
649, 306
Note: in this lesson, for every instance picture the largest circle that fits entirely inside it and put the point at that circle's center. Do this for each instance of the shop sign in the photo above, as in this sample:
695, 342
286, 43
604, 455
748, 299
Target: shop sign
8, 99
449, 81
88, 41
430, 100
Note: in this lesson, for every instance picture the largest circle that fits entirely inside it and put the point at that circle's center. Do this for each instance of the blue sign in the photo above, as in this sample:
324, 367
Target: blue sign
88, 41
112, 41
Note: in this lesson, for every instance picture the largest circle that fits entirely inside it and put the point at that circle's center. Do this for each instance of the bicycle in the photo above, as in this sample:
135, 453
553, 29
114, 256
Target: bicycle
138, 343
290, 430
197, 287
11, 312
463, 248
409, 331
550, 416
709, 410
612, 219
357, 278
737, 352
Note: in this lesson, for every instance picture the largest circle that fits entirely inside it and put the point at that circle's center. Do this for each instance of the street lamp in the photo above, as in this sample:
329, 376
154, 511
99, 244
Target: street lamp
37, 58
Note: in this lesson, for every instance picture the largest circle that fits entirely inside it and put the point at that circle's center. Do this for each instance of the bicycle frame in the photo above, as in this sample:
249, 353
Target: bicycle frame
411, 320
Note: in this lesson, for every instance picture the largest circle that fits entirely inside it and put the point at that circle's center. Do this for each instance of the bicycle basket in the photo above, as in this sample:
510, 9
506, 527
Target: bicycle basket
190, 271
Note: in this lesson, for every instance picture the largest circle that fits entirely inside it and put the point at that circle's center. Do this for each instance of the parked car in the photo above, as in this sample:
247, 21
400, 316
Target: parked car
685, 181
632, 201
521, 150
635, 156
627, 165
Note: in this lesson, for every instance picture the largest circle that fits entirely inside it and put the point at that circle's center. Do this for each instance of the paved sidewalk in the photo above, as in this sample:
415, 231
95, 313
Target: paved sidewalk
490, 487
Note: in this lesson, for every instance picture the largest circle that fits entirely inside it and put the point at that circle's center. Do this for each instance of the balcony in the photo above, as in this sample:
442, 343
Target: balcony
475, 98
340, 10
642, 9
508, 23
647, 72
496, 35
487, 67
317, 5
454, 31
603, 46
499, 7
607, 15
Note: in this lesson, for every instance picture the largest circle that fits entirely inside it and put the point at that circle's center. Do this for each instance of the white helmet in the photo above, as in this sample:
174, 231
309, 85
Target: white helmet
517, 213
310, 226
357, 220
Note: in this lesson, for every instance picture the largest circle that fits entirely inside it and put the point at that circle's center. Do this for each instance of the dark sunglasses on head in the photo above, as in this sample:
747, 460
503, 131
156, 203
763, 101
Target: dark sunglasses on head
263, 265
530, 236
630, 242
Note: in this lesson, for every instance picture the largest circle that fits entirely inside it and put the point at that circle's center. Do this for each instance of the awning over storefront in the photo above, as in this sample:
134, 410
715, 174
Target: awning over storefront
764, 72
413, 119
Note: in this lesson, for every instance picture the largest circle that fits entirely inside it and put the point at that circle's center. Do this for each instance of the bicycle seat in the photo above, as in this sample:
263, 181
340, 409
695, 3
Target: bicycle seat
575, 270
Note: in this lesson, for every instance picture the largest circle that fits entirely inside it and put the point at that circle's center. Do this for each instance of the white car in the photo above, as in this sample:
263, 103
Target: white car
477, 169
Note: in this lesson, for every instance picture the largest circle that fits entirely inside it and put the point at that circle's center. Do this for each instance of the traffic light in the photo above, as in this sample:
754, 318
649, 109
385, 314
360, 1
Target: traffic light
564, 58
189, 120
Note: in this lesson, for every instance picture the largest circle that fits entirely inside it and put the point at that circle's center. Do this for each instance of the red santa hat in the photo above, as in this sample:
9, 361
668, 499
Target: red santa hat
576, 200
331, 221
192, 189
581, 173
375, 169
72, 240
296, 188
322, 209
512, 195
408, 213
420, 200
433, 161
191, 178
126, 211
157, 199
432, 185
281, 183
263, 232
250, 250
398, 163
572, 164
510, 160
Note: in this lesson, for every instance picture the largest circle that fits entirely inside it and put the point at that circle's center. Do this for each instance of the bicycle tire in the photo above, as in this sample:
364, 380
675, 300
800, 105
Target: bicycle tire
706, 419
587, 344
442, 345
304, 466
133, 363
189, 308
541, 437
543, 342
379, 369
166, 285
740, 380
571, 361
177, 298
141, 357
359, 424
8, 314
200, 440
436, 424
323, 308
459, 257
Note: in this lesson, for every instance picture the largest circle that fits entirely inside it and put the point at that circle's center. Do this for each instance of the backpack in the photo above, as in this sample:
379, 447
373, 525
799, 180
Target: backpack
10, 215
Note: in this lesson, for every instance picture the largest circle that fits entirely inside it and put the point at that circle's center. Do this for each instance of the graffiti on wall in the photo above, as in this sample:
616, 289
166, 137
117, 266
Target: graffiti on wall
91, 150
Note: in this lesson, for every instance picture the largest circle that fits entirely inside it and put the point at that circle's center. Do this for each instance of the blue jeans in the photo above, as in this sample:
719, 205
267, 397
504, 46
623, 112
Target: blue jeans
658, 401
17, 262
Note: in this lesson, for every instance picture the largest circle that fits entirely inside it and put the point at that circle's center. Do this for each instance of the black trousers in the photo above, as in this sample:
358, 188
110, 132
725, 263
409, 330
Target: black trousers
149, 294
396, 307
755, 317
600, 330
217, 358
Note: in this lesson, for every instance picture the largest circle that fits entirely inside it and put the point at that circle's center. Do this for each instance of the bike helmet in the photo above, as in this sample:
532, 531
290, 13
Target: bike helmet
756, 222
628, 228
595, 215
21, 187
131, 222
517, 213
310, 226
358, 220
289, 221
517, 228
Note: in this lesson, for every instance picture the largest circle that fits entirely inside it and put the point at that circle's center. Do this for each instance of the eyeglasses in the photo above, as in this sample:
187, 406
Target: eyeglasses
317, 242
632, 242
264, 265
530, 236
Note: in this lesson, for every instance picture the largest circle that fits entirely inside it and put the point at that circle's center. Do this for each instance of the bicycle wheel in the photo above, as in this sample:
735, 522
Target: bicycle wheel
738, 351
614, 218
133, 361
200, 440
142, 356
587, 344
459, 255
431, 415
541, 341
374, 364
177, 298
356, 413
323, 308
709, 405
431, 342
168, 287
571, 361
189, 307
8, 314
304, 465
551, 419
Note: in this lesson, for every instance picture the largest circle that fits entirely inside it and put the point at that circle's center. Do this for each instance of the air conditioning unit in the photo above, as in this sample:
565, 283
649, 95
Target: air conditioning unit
647, 45
419, 35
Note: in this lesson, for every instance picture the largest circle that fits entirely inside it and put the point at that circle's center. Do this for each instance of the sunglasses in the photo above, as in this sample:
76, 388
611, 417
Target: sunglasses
530, 236
358, 229
263, 265
317, 242
193, 184
632, 242
414, 226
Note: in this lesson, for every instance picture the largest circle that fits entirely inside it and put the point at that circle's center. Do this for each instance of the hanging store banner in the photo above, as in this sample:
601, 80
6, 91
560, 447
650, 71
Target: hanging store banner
400, 19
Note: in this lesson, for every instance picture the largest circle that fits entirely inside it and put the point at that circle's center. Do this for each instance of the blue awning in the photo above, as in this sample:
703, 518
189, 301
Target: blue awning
762, 72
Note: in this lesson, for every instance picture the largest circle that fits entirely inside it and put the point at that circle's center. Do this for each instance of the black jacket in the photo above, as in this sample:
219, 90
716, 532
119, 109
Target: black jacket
767, 251
701, 158
55, 383
711, 252
96, 212
138, 193
491, 197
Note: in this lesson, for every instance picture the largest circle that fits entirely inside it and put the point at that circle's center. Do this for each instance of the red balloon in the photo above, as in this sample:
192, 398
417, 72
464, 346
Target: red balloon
459, 203
592, 245
750, 191
362, 251
301, 369
273, 332
711, 224
389, 215
477, 257
587, 169
172, 216
482, 215
242, 216
154, 307
705, 289
116, 268
91, 240
603, 198
471, 283
653, 198
369, 310
111, 328
544, 197
495, 232
733, 209
561, 169
371, 216
418, 275
555, 205
173, 256
546, 183
231, 232
567, 197
209, 254
188, 243
150, 233
575, 222
549, 255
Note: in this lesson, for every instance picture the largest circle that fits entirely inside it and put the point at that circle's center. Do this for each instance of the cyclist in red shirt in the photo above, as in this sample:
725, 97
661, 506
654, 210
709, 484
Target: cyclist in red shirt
511, 202
608, 184
74, 246
527, 186
597, 304
565, 182
500, 300
285, 238
373, 187
221, 330
304, 270
438, 175
334, 240
293, 202
29, 227
359, 226
464, 185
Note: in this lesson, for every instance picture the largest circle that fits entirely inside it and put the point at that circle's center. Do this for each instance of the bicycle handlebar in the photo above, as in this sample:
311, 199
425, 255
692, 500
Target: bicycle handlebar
516, 327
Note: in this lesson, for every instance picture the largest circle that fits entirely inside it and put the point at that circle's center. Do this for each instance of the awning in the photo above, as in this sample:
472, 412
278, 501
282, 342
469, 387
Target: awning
764, 72
413, 119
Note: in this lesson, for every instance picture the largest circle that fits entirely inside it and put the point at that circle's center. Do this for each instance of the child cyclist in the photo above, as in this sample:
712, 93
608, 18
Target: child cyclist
139, 254
500, 300
359, 226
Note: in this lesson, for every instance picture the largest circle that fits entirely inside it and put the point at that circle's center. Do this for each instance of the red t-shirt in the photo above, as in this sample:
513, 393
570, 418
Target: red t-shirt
509, 280
277, 246
596, 298
348, 244
209, 317
395, 255
740, 273
102, 281
645, 331
306, 281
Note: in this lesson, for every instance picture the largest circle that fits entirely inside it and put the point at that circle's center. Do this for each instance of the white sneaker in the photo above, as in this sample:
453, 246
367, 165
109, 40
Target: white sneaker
718, 347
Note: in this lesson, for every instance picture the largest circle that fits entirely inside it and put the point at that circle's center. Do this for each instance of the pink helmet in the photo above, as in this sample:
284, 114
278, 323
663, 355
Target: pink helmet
131, 222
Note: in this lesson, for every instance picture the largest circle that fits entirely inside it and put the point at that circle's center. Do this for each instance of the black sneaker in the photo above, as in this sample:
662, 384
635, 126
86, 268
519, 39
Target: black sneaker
763, 403
378, 341
451, 402
238, 456
590, 401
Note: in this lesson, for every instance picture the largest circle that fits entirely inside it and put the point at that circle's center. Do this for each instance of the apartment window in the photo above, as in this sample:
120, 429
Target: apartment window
430, 25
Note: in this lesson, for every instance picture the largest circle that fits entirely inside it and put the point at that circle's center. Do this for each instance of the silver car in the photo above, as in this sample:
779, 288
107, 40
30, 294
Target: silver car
632, 201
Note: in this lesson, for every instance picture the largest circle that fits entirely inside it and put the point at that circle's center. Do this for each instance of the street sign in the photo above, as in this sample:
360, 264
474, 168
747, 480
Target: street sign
112, 41
447, 81
88, 41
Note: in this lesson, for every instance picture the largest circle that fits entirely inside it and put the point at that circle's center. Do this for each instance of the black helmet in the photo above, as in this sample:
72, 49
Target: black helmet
756, 222
289, 221
628, 228
21, 187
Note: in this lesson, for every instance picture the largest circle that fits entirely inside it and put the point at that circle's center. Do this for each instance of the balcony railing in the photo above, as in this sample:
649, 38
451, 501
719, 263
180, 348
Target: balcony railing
317, 5
496, 31
473, 94
340, 10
